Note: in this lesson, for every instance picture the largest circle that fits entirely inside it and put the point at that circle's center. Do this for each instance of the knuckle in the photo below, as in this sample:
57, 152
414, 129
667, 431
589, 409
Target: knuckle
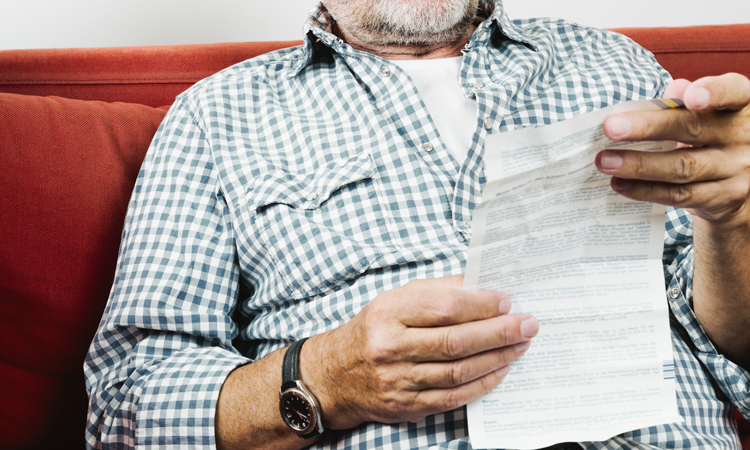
651, 193
723, 87
693, 126
408, 408
387, 381
649, 127
452, 305
639, 165
680, 194
686, 167
458, 373
447, 308
453, 344
380, 351
505, 332
489, 384
379, 308
453, 399
399, 410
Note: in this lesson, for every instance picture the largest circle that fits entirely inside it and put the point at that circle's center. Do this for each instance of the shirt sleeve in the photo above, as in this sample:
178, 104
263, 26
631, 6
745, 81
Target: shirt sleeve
164, 346
733, 380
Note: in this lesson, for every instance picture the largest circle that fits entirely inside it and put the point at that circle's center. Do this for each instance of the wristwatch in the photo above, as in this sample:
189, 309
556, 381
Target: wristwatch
297, 405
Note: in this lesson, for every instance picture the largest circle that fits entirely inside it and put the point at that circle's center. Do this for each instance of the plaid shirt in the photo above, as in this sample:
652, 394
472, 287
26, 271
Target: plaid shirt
284, 193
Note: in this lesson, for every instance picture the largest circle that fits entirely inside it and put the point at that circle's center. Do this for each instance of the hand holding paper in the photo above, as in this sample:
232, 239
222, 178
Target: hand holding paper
710, 177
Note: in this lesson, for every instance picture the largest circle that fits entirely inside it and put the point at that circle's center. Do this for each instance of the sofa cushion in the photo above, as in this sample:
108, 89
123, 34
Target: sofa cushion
67, 168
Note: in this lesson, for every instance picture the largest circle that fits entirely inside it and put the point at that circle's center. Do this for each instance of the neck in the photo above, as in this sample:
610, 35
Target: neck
396, 52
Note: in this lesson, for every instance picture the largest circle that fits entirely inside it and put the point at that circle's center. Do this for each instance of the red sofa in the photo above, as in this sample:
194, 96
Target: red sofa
74, 127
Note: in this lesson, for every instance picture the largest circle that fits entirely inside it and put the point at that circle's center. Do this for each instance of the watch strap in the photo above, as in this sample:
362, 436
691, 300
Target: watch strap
290, 366
290, 377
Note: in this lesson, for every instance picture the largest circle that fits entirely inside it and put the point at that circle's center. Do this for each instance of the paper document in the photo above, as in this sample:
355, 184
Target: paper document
552, 234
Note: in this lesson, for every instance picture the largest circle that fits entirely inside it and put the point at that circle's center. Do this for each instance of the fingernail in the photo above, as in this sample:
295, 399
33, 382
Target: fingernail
701, 96
522, 346
610, 160
501, 372
529, 328
504, 306
619, 125
621, 184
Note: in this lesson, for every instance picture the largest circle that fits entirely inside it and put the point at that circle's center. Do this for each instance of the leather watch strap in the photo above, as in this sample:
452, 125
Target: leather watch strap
290, 366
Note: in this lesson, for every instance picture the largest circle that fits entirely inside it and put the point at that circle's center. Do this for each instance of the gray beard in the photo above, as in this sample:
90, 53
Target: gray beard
404, 22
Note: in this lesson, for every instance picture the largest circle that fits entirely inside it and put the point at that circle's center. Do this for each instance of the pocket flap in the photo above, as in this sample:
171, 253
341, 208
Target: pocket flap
308, 190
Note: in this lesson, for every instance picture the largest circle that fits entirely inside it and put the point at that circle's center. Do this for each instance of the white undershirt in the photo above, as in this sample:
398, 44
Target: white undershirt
455, 116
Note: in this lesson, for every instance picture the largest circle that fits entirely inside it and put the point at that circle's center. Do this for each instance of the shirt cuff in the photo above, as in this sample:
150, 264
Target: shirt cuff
178, 398
731, 378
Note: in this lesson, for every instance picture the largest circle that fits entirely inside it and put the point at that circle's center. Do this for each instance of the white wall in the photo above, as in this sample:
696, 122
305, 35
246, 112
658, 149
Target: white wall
97, 23
635, 13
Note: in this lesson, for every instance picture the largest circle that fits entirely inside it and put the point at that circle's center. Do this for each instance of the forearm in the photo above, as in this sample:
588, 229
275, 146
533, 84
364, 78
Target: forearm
721, 286
247, 413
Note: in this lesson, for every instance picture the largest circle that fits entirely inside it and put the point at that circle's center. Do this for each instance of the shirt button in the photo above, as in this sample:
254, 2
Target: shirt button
477, 86
427, 147
674, 292
468, 224
312, 197
385, 71
488, 122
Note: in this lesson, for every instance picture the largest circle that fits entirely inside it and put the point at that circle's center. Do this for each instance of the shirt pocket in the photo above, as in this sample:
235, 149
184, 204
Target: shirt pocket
320, 229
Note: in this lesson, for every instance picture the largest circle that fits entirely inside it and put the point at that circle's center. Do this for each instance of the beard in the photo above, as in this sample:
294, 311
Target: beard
404, 22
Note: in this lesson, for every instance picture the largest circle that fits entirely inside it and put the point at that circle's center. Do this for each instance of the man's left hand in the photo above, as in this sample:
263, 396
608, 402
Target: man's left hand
709, 174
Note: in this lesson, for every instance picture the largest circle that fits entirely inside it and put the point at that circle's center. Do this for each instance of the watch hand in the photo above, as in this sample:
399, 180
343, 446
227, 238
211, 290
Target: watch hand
301, 415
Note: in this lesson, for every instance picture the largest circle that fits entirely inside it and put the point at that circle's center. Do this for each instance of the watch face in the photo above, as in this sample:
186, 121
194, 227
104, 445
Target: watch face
297, 412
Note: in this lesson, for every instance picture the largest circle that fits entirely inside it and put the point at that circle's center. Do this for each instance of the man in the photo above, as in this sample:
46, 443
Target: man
310, 193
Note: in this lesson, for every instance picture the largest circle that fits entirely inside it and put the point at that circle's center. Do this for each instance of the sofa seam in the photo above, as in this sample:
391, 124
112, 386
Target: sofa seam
699, 50
103, 81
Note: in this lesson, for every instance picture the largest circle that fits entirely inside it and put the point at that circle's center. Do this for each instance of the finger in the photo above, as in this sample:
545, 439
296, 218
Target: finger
729, 91
676, 88
690, 127
710, 200
463, 371
467, 339
432, 401
684, 165
437, 307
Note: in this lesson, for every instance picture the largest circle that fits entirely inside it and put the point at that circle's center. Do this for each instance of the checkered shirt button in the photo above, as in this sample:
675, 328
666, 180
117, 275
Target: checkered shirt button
427, 147
488, 122
385, 71
674, 292
312, 197
477, 86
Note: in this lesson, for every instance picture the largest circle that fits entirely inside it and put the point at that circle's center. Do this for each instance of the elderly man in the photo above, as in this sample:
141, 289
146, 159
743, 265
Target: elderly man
326, 191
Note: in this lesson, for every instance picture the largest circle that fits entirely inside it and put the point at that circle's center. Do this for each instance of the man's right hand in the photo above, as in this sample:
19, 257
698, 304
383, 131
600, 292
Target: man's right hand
427, 347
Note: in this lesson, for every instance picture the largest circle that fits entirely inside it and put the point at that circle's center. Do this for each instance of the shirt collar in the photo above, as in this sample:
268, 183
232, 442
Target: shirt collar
318, 29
